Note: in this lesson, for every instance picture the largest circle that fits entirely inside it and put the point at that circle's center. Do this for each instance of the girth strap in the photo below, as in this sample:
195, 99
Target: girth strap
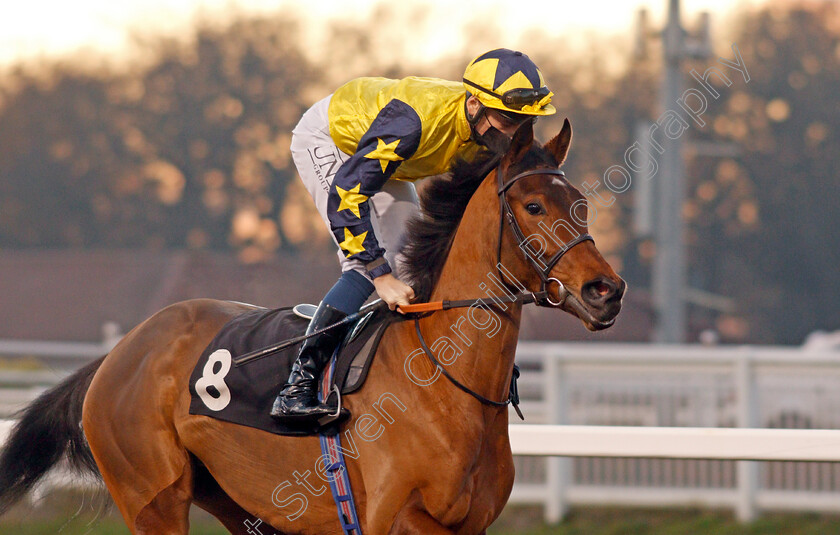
339, 478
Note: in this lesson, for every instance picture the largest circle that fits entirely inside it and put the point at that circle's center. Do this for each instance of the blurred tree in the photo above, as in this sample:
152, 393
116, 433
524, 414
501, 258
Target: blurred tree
59, 147
218, 114
765, 223
192, 152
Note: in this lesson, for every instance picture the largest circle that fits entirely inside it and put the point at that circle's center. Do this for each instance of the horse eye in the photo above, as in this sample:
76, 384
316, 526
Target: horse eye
534, 208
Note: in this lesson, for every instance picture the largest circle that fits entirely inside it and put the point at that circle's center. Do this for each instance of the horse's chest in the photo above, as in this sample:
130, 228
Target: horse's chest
480, 491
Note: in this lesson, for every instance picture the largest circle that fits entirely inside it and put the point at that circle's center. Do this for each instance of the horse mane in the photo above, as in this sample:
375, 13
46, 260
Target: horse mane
429, 234
443, 201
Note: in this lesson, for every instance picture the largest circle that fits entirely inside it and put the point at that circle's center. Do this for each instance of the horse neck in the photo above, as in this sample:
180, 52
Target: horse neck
487, 336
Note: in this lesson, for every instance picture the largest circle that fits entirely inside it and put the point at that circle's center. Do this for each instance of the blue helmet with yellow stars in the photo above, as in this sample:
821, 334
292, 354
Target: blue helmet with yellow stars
509, 81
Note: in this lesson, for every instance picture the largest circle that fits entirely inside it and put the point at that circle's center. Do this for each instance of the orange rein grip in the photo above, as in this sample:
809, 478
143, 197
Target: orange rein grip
421, 307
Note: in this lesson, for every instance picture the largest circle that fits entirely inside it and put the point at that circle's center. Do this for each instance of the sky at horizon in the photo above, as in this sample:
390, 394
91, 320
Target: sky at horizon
104, 27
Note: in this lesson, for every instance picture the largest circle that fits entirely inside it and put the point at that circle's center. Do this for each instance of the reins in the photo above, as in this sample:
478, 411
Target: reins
416, 308
513, 397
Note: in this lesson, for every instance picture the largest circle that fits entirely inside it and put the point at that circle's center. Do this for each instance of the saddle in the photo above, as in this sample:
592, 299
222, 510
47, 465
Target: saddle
244, 394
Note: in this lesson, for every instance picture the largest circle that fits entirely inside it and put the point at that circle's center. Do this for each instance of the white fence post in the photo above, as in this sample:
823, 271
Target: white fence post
747, 470
111, 335
558, 469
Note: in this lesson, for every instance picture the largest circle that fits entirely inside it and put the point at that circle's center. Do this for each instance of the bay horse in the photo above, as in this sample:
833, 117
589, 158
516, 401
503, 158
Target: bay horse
423, 456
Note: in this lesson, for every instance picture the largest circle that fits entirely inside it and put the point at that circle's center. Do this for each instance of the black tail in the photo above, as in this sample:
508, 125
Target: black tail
48, 429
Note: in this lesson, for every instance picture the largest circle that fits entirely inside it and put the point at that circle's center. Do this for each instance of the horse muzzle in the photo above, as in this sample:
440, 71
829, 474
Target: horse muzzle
599, 302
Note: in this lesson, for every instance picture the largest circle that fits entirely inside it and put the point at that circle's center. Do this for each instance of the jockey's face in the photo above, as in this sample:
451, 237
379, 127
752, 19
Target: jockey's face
492, 118
502, 123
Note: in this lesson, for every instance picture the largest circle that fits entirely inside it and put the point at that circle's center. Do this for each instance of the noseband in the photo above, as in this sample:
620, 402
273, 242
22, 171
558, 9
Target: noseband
543, 297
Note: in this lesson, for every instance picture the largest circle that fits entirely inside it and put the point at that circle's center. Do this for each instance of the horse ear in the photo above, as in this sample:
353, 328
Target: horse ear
521, 142
559, 146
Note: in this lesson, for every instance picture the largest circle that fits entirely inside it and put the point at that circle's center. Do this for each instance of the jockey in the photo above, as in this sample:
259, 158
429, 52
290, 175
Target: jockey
347, 146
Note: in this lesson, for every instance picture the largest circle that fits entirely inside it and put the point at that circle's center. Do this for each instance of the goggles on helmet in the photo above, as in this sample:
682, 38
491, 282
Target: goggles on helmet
518, 98
514, 118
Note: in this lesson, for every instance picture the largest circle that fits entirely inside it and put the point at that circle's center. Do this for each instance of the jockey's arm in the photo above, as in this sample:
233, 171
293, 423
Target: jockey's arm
393, 136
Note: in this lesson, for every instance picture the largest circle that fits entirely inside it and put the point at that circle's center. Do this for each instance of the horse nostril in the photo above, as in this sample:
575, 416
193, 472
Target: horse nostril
601, 289
598, 291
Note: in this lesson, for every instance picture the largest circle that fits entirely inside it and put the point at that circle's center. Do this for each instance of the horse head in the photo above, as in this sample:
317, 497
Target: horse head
547, 225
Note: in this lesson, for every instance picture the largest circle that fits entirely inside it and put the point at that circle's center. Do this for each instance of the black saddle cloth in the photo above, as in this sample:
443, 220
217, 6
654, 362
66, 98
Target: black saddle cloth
244, 394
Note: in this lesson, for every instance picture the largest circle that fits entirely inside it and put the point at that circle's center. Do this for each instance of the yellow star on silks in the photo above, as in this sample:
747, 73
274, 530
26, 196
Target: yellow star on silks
351, 199
353, 244
385, 153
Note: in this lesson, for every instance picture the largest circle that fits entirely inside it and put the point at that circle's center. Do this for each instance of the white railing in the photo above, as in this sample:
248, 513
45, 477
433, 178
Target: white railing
670, 443
677, 386
733, 444
41, 364
60, 352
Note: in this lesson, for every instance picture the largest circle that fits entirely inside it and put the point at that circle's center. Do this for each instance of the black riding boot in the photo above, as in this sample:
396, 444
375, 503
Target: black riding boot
298, 402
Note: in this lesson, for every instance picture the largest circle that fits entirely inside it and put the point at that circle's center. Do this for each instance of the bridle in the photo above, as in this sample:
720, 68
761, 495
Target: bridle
540, 298
543, 297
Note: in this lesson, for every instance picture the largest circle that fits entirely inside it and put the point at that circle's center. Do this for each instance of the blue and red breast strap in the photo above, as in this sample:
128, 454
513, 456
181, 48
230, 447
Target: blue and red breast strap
339, 478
